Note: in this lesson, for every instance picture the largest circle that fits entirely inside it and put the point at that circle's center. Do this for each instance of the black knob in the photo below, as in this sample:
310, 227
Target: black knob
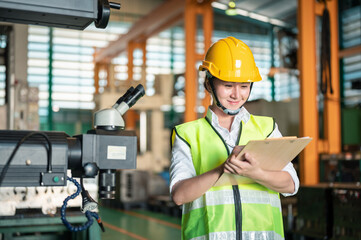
114, 5
90, 169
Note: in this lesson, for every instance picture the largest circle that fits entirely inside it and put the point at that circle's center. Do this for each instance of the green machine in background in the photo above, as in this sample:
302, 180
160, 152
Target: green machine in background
42, 227
351, 128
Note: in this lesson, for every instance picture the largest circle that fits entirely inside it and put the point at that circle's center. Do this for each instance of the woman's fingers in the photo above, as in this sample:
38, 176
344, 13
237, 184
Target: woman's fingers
233, 167
237, 150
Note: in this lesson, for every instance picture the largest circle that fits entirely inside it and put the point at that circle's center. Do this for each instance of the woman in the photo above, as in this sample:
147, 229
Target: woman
204, 149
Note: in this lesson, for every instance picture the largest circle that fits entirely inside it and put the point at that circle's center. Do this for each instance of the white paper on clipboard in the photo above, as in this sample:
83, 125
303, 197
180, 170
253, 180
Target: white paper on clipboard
272, 153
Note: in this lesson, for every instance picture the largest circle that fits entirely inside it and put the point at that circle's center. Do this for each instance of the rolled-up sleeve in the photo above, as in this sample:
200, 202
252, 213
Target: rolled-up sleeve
181, 166
291, 170
289, 167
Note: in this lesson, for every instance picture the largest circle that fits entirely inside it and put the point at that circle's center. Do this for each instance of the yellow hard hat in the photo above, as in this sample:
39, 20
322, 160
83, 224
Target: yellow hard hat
231, 60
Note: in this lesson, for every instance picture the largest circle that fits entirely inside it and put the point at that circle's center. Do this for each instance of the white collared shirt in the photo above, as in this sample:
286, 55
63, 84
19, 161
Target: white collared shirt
182, 167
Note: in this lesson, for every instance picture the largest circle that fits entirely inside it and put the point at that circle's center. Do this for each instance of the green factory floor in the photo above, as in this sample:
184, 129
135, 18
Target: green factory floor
138, 224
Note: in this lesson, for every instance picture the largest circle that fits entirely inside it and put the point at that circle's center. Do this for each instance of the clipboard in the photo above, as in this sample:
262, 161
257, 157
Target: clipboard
273, 154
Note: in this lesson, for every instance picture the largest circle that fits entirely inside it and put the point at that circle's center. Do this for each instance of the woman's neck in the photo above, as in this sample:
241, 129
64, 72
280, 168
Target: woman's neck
224, 119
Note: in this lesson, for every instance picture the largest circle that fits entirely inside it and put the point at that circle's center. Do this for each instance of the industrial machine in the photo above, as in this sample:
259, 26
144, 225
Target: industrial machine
74, 14
329, 211
35, 158
35, 166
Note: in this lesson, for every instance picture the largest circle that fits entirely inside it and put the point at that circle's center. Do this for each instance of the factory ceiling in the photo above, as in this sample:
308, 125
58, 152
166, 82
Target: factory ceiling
280, 12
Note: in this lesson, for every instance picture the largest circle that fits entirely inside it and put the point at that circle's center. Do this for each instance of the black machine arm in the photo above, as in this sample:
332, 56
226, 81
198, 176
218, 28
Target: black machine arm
71, 14
101, 150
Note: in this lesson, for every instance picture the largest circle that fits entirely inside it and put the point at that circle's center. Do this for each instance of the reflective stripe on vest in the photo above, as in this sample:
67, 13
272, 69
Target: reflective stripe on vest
246, 211
263, 235
225, 196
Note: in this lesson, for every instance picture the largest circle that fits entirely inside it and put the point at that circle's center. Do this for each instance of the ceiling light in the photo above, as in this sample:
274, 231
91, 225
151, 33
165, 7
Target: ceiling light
237, 11
231, 10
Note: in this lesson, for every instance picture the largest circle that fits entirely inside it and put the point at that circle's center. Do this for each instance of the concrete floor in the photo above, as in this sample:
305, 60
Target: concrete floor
138, 224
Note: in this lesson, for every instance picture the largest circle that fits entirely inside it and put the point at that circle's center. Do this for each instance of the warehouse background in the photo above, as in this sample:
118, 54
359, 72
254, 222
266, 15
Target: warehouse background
57, 85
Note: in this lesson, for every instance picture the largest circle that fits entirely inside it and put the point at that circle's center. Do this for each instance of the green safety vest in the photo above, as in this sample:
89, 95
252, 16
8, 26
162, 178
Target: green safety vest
244, 211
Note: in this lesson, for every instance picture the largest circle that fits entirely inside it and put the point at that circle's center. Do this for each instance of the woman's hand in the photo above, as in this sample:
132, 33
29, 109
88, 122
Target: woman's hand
245, 166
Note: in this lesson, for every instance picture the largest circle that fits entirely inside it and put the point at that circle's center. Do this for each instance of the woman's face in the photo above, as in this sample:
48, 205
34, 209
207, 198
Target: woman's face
231, 95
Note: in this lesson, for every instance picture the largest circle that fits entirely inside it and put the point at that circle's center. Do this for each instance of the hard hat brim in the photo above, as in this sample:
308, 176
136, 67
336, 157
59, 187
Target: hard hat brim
229, 76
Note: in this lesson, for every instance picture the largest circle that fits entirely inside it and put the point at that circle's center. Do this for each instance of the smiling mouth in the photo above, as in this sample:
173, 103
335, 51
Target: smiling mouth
234, 102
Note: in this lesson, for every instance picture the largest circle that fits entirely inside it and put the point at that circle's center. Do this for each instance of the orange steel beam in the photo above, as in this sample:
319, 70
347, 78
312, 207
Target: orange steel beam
332, 112
96, 77
96, 73
110, 76
130, 48
191, 84
207, 31
143, 46
349, 51
154, 22
319, 8
308, 10
309, 167
132, 116
192, 9
332, 119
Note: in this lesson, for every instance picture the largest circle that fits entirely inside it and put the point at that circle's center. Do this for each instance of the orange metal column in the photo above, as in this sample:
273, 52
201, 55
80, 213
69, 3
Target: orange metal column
309, 167
207, 32
96, 72
332, 103
96, 77
110, 76
192, 8
131, 115
143, 47
191, 84
130, 62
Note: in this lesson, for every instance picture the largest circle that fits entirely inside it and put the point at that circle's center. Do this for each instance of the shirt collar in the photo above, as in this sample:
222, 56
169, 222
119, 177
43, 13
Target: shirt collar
243, 115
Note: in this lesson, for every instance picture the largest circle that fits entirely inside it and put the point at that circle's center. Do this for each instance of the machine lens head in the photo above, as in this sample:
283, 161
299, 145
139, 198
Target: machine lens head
132, 98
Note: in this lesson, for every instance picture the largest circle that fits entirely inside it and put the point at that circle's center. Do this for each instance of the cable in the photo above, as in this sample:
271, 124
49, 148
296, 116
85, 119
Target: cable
89, 215
81, 183
325, 55
7, 165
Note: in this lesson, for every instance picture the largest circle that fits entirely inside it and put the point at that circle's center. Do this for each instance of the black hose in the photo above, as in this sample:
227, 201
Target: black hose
325, 55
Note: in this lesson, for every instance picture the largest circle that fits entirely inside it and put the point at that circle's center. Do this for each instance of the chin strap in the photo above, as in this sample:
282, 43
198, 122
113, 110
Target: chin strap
218, 103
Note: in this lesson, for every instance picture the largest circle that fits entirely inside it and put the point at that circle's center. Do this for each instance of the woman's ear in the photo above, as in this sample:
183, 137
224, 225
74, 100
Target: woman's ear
207, 85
